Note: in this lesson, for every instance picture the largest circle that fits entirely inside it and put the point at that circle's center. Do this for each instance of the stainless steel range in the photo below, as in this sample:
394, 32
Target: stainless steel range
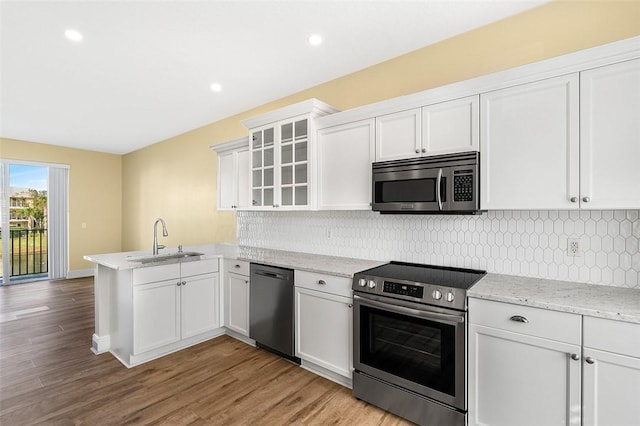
409, 349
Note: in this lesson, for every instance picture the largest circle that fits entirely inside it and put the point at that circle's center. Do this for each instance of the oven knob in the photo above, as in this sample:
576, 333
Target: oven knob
362, 282
450, 296
372, 284
437, 294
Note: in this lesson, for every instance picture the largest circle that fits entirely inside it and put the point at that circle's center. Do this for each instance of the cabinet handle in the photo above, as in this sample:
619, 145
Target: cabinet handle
322, 282
417, 151
586, 199
424, 150
350, 305
573, 199
590, 360
237, 266
519, 318
184, 283
179, 284
575, 357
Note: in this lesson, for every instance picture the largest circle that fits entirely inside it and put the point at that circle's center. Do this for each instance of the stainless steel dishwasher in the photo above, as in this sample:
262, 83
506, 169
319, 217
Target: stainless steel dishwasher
271, 313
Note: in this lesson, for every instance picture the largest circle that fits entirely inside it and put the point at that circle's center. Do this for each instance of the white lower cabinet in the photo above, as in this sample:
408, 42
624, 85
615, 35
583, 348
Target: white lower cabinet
237, 296
522, 373
323, 337
172, 303
156, 315
611, 373
530, 366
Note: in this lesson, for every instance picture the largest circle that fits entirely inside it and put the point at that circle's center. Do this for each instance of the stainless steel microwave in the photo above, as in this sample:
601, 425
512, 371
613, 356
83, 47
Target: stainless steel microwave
441, 184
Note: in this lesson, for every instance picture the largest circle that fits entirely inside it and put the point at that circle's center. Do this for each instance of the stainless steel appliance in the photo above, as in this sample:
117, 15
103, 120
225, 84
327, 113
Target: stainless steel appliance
271, 314
409, 348
442, 184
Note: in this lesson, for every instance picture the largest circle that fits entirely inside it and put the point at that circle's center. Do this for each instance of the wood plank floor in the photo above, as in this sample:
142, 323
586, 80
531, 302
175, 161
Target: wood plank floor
48, 375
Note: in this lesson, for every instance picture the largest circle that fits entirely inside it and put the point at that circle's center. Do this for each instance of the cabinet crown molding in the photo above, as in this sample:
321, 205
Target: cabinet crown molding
311, 106
582, 60
231, 145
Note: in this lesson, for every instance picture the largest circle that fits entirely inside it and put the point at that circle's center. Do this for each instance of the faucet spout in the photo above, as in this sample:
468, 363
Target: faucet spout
156, 247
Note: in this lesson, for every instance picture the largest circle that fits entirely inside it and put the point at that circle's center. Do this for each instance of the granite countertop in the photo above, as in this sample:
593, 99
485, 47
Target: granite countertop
333, 265
615, 303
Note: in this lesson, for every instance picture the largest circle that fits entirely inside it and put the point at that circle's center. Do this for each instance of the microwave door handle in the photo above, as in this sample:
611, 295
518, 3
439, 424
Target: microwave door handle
438, 187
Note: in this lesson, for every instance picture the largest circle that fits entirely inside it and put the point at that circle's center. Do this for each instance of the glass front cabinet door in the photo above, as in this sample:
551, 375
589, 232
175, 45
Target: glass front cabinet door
282, 156
280, 165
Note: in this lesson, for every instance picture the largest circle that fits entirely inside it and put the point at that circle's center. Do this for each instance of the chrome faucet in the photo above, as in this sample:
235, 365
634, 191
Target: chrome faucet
157, 247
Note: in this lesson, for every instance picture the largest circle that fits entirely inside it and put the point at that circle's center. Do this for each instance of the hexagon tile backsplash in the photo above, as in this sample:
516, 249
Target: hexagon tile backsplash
527, 243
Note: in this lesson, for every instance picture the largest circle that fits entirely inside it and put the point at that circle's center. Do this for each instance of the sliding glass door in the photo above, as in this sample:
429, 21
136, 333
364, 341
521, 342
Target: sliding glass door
34, 221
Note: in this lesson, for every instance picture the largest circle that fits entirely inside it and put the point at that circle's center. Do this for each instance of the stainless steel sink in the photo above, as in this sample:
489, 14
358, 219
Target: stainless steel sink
166, 257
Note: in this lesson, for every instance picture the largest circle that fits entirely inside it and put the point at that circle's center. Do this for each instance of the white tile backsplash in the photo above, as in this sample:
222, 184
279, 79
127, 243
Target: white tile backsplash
527, 243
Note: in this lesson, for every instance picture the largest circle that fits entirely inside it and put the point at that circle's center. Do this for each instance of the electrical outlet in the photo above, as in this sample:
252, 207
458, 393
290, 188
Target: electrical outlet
573, 247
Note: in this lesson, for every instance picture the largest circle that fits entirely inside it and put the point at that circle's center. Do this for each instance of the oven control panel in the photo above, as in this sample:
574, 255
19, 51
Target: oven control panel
403, 289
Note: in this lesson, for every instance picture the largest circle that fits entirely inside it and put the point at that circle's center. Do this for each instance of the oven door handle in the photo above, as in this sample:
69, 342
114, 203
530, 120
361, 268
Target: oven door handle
438, 186
409, 311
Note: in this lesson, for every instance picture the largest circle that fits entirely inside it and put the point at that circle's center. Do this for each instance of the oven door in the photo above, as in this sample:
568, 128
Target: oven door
417, 349
420, 190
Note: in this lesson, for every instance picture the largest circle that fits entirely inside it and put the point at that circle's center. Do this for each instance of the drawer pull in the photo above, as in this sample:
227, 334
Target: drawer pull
519, 318
322, 282
237, 266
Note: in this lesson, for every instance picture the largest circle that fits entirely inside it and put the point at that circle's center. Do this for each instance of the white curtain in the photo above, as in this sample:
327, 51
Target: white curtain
58, 217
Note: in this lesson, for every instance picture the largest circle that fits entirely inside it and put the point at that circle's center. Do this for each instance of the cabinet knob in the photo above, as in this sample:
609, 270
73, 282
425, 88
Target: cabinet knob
590, 360
575, 357
184, 283
236, 266
350, 305
574, 199
586, 199
417, 151
424, 150
179, 284
322, 282
519, 318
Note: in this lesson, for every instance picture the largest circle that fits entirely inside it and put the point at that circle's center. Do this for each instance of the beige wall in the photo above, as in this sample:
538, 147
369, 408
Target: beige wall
176, 179
95, 197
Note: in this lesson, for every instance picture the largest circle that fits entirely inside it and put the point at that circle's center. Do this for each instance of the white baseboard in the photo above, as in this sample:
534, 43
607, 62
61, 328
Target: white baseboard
80, 273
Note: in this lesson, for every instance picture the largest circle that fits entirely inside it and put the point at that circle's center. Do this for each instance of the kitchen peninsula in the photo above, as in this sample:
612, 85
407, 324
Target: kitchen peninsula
188, 297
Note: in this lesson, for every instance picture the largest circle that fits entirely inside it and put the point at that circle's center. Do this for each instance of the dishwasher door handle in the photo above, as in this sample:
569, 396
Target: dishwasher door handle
270, 274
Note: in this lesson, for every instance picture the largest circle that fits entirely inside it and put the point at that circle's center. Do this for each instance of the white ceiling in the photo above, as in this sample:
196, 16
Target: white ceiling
143, 70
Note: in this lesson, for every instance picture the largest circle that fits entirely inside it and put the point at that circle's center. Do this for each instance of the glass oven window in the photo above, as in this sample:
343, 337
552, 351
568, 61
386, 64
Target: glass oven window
409, 191
414, 349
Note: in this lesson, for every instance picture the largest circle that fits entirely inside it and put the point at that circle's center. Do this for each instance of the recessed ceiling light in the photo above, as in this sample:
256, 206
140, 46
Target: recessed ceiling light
315, 39
215, 87
73, 35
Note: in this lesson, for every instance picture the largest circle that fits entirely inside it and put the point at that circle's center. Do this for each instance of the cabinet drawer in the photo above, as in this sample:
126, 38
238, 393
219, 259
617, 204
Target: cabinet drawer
240, 267
612, 336
340, 286
156, 273
199, 267
554, 325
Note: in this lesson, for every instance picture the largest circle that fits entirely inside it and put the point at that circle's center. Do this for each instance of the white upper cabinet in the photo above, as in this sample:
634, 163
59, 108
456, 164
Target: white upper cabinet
451, 126
529, 145
345, 154
233, 174
610, 137
282, 148
441, 128
398, 135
